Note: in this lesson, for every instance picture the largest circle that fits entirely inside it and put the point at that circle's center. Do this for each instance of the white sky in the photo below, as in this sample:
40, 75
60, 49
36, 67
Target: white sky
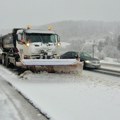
15, 13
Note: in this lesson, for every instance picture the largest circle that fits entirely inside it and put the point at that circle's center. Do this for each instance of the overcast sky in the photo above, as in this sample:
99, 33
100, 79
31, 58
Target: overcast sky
19, 13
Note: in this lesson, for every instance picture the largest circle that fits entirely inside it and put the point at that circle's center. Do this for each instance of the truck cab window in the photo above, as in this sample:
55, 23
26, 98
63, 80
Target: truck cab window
44, 38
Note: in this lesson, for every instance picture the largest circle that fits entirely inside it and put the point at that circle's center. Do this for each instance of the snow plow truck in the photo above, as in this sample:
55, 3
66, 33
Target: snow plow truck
35, 50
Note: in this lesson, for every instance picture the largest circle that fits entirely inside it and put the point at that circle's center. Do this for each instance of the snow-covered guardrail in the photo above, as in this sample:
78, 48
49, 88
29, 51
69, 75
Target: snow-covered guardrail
110, 66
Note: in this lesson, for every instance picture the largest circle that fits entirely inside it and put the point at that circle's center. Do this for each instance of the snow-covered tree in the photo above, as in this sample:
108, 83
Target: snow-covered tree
118, 47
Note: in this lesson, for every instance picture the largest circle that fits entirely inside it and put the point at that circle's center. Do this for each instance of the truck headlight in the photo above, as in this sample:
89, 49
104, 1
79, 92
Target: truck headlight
87, 61
58, 44
27, 44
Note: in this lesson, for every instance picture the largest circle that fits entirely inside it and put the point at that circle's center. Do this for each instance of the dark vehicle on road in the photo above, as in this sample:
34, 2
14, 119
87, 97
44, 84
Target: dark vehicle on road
70, 55
89, 61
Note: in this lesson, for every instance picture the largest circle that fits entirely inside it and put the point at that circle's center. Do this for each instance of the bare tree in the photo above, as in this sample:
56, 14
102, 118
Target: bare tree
118, 47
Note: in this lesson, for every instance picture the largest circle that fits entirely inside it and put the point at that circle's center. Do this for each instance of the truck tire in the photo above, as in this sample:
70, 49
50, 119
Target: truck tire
3, 59
6, 61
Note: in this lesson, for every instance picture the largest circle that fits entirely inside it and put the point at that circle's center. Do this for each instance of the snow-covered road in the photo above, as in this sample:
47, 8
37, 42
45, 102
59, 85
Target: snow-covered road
13, 106
7, 109
91, 96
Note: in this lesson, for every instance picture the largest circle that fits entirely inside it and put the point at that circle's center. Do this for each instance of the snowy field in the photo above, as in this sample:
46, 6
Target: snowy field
110, 61
90, 96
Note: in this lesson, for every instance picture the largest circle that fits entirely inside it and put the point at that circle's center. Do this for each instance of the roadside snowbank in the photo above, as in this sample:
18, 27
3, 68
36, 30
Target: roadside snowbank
110, 61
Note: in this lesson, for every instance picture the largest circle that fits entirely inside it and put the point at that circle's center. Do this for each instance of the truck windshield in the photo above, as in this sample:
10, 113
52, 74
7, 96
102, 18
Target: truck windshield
44, 38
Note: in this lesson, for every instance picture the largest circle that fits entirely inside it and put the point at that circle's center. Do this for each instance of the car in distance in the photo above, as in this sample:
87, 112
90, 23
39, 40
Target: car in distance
70, 55
89, 61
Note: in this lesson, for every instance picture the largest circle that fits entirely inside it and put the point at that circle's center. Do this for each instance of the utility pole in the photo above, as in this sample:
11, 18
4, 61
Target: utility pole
93, 48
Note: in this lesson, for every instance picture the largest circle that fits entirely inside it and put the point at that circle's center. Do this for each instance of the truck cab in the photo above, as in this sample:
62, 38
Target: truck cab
37, 44
28, 44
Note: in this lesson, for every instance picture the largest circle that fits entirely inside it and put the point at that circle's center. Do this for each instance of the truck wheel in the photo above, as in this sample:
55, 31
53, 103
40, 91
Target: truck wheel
3, 59
6, 61
84, 65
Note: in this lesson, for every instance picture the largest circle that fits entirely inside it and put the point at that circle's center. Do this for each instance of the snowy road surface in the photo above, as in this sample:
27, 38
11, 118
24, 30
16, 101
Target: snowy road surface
14, 107
91, 96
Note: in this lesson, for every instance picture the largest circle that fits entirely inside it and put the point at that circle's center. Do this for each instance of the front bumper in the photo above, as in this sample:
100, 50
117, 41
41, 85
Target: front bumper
91, 65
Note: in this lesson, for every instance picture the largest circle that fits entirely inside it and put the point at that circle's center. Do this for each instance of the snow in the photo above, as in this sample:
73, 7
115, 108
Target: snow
7, 108
109, 60
90, 96
49, 61
111, 64
64, 44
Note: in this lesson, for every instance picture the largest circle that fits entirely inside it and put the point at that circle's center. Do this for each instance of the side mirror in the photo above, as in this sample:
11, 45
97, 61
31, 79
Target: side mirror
20, 39
58, 38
